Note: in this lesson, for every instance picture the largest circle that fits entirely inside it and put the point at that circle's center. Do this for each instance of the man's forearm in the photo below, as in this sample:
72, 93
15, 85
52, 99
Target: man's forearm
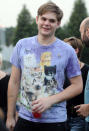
12, 97
66, 94
71, 91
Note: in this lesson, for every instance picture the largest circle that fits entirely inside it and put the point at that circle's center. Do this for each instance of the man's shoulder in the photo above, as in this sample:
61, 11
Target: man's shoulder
62, 43
26, 40
64, 46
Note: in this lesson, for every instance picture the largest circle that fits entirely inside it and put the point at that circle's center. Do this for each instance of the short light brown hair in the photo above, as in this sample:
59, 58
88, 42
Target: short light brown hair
50, 7
75, 43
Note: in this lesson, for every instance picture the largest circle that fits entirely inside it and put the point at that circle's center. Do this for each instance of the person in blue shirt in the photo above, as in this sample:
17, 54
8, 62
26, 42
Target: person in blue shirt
38, 70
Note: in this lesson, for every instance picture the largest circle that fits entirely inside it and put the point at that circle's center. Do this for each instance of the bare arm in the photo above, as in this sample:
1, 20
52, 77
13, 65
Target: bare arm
74, 89
13, 88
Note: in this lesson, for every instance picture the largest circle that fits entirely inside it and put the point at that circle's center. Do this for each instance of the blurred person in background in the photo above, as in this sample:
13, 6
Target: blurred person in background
84, 31
74, 106
4, 78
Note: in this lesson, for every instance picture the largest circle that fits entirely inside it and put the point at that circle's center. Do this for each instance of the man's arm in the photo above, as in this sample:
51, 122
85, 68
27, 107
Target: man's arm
74, 89
13, 88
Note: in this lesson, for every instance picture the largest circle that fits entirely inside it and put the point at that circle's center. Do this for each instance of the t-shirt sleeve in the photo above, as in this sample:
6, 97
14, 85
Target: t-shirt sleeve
15, 57
73, 67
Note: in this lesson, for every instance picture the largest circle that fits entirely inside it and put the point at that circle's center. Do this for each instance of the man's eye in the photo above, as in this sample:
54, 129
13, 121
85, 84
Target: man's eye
44, 19
52, 21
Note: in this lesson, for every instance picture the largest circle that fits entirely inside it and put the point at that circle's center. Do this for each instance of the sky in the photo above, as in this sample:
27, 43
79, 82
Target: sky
9, 9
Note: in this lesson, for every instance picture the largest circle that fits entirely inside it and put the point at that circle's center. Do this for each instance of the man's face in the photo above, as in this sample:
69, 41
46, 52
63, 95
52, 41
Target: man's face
84, 36
47, 24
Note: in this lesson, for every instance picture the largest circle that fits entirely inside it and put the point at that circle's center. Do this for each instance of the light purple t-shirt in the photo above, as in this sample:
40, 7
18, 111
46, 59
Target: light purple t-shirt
42, 74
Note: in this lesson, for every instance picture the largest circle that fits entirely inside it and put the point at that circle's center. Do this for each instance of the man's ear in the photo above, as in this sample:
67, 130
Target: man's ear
58, 24
36, 19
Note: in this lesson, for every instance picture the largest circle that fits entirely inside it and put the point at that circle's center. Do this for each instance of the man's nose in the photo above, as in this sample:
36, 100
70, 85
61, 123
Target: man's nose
47, 22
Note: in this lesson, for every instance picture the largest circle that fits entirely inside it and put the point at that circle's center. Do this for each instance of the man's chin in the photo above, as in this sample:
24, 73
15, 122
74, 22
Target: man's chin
45, 34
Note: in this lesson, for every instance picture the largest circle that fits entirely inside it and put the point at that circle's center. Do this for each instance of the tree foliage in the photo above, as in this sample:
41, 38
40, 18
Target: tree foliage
33, 28
62, 32
78, 14
23, 27
72, 27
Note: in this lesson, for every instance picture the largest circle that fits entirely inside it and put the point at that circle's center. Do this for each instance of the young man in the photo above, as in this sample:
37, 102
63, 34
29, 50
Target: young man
38, 65
84, 30
4, 78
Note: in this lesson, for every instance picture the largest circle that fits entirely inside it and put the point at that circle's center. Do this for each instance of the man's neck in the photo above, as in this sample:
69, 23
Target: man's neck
46, 40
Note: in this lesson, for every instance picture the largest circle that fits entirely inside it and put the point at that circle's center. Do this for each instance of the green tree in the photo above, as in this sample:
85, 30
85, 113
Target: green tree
78, 14
33, 28
23, 27
62, 32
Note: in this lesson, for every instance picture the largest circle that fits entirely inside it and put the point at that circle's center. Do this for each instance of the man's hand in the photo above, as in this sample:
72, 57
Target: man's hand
10, 123
82, 110
42, 104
